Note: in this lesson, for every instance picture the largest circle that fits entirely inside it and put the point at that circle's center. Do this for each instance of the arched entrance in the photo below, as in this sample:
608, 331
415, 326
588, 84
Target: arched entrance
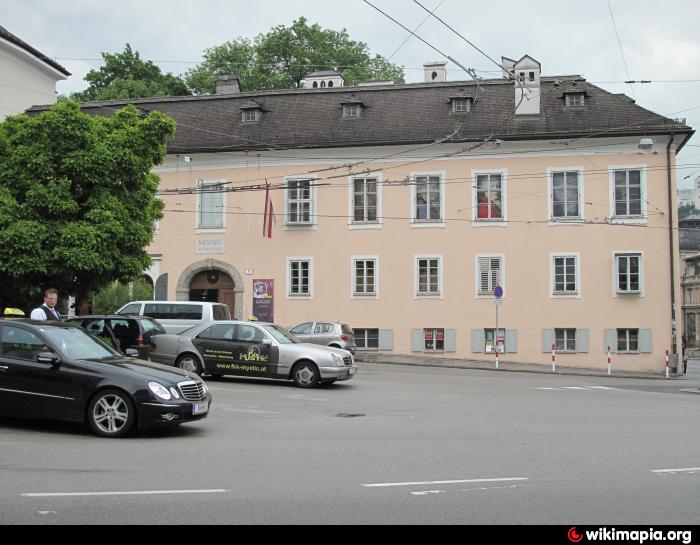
214, 281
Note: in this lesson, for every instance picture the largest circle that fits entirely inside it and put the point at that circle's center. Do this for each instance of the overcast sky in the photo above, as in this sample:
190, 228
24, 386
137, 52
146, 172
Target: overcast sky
659, 40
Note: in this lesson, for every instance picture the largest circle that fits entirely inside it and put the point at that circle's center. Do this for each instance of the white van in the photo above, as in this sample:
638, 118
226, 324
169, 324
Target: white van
176, 316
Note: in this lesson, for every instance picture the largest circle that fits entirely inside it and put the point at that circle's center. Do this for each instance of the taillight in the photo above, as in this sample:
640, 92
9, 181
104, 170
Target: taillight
344, 337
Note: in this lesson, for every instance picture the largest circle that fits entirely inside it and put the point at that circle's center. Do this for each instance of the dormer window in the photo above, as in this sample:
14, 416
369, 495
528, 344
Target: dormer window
461, 104
352, 110
574, 99
251, 112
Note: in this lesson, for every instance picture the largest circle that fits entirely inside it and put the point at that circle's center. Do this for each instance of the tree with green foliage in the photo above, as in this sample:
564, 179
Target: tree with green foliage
126, 75
112, 297
77, 200
281, 58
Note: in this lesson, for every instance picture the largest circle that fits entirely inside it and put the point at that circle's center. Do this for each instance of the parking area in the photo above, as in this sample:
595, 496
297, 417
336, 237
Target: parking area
396, 444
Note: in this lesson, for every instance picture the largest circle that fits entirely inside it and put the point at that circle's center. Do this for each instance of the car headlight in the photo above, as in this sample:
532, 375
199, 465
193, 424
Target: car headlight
174, 392
160, 391
204, 386
338, 360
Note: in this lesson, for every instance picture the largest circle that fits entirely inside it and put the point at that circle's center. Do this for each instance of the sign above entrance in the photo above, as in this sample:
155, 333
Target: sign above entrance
209, 246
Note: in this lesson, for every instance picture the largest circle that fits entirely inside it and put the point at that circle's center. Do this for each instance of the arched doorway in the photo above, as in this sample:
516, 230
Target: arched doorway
228, 283
213, 286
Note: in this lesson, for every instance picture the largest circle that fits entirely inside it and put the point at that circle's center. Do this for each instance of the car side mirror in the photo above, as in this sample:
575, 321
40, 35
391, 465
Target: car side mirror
266, 342
131, 353
49, 358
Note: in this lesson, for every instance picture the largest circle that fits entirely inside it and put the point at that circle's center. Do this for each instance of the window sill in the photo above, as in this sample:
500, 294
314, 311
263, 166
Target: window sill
368, 225
300, 226
634, 220
209, 230
427, 224
490, 223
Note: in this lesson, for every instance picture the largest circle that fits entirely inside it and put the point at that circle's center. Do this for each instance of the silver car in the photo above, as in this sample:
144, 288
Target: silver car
252, 349
332, 334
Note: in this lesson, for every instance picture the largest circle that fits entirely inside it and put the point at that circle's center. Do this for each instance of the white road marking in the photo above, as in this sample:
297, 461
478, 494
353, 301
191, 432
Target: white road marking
461, 481
673, 471
131, 493
428, 492
572, 388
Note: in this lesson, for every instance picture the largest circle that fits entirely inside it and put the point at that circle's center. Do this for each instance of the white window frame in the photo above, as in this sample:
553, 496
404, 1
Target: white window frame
310, 261
477, 276
246, 118
352, 224
551, 171
572, 100
313, 219
214, 229
364, 338
627, 339
488, 222
353, 277
458, 100
427, 223
416, 277
553, 294
566, 339
434, 331
616, 288
352, 111
636, 219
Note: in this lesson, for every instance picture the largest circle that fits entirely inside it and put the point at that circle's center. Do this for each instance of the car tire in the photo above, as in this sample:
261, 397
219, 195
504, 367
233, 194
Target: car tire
111, 414
305, 375
189, 362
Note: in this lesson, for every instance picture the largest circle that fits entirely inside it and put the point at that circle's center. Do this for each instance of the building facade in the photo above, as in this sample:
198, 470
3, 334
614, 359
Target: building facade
400, 209
27, 76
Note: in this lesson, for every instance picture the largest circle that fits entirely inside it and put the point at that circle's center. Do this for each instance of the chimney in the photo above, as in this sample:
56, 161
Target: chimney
227, 85
527, 71
435, 71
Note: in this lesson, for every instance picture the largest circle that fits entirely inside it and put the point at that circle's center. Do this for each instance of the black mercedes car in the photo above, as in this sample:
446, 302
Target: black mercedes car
58, 371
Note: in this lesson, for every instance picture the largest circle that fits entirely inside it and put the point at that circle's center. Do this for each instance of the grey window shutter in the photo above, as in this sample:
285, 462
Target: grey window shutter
610, 340
477, 340
511, 341
645, 341
386, 339
416, 340
450, 340
547, 340
581, 340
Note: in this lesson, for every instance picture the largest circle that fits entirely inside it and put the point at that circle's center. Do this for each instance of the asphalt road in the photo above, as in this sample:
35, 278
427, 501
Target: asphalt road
394, 445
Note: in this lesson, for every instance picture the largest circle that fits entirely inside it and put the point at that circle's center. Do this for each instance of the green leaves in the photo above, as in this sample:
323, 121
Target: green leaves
281, 58
77, 199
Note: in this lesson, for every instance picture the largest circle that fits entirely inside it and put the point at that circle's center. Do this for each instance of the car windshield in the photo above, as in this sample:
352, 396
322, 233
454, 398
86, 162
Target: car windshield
280, 334
76, 344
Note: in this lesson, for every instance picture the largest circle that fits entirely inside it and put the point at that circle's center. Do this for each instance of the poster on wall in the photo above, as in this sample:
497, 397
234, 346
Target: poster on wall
263, 300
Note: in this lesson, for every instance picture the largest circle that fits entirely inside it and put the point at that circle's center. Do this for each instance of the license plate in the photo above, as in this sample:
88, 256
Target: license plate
200, 408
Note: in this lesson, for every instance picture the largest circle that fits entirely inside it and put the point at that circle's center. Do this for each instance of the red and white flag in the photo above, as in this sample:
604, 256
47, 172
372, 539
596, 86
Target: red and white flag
269, 216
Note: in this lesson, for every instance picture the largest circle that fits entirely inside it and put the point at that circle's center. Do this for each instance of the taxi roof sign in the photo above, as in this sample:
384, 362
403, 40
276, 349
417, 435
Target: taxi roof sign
13, 312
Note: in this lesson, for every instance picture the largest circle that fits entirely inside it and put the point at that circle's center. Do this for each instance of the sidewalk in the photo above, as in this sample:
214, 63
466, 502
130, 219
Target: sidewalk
455, 363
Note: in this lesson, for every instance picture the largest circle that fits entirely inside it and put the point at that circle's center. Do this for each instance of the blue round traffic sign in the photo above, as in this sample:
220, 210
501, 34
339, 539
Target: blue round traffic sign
498, 292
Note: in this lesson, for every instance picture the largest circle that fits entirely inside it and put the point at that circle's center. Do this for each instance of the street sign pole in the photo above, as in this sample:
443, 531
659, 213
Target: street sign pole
497, 293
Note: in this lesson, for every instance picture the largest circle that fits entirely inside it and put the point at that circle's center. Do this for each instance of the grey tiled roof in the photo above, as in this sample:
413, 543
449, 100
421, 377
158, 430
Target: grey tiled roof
7, 35
394, 114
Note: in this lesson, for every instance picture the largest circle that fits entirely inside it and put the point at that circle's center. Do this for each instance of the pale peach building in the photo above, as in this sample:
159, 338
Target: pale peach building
400, 209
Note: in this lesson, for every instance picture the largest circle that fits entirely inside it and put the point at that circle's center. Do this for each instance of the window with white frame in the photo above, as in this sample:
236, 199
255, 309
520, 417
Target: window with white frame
365, 200
299, 202
428, 198
210, 205
565, 340
565, 274
434, 339
364, 277
299, 277
628, 340
628, 193
366, 338
461, 104
428, 277
251, 115
489, 274
489, 197
628, 273
352, 111
493, 341
575, 99
566, 195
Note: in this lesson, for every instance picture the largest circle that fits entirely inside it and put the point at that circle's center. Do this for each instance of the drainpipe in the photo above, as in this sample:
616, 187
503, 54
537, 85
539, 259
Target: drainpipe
672, 255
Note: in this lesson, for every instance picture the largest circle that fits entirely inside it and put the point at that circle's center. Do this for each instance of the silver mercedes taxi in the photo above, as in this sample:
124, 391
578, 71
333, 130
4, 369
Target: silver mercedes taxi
253, 349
